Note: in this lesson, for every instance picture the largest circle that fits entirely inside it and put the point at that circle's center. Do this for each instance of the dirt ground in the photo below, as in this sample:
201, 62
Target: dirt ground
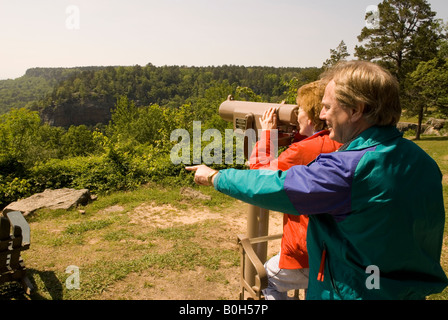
202, 283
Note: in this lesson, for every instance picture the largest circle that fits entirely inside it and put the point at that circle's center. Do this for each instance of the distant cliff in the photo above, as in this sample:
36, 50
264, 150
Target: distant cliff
65, 115
86, 95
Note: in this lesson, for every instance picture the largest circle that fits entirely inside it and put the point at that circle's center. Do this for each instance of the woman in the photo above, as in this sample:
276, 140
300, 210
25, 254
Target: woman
289, 269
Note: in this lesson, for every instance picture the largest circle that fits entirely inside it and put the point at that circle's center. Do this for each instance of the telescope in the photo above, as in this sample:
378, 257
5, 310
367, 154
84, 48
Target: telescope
246, 115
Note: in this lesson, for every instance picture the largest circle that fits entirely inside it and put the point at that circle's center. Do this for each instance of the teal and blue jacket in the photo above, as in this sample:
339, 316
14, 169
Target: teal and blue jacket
377, 205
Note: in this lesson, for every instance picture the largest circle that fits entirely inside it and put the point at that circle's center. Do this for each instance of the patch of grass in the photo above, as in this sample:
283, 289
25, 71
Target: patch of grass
216, 277
437, 148
84, 226
65, 239
49, 215
118, 235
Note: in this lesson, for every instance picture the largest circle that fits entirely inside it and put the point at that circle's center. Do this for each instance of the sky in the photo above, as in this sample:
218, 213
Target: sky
278, 33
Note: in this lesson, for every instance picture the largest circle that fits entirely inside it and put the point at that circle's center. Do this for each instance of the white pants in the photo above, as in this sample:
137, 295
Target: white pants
280, 281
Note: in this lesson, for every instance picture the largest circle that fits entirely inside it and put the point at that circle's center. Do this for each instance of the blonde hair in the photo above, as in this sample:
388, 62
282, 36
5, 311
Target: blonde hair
370, 84
309, 98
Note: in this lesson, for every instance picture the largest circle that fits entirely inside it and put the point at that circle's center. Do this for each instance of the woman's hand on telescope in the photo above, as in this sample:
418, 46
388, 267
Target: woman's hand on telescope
268, 120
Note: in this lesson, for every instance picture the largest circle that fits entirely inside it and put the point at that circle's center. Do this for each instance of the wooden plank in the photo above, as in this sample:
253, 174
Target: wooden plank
5, 228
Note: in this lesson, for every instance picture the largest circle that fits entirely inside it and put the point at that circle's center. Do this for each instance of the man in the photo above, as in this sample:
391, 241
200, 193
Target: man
376, 211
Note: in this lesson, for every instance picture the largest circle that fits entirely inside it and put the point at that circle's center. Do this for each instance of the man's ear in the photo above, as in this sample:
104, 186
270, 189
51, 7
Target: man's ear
357, 112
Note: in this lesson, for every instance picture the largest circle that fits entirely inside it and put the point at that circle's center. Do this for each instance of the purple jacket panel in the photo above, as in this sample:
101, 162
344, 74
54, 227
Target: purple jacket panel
325, 185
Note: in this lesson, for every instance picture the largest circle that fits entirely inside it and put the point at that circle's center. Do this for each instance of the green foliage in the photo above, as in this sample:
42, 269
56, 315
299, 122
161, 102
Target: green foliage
18, 133
425, 90
150, 125
292, 86
407, 38
111, 171
407, 34
12, 189
429, 83
34, 85
78, 141
338, 54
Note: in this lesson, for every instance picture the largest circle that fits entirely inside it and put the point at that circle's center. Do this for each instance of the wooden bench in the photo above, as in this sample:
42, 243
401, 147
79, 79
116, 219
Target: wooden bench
14, 238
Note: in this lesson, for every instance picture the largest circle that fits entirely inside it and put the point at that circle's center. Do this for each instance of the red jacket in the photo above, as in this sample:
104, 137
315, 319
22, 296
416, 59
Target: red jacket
293, 253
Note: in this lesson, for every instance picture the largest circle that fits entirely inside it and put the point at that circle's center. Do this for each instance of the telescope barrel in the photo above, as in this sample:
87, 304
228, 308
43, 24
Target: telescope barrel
236, 111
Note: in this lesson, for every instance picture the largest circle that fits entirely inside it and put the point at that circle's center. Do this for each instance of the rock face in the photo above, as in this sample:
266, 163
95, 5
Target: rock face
434, 126
64, 198
431, 127
67, 114
405, 126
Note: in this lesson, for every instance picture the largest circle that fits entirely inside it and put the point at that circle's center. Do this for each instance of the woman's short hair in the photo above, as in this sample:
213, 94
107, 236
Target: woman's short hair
309, 98
370, 84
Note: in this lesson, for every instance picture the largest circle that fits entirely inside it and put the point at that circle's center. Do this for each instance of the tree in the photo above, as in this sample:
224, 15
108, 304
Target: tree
78, 141
338, 54
407, 34
123, 116
19, 129
428, 87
